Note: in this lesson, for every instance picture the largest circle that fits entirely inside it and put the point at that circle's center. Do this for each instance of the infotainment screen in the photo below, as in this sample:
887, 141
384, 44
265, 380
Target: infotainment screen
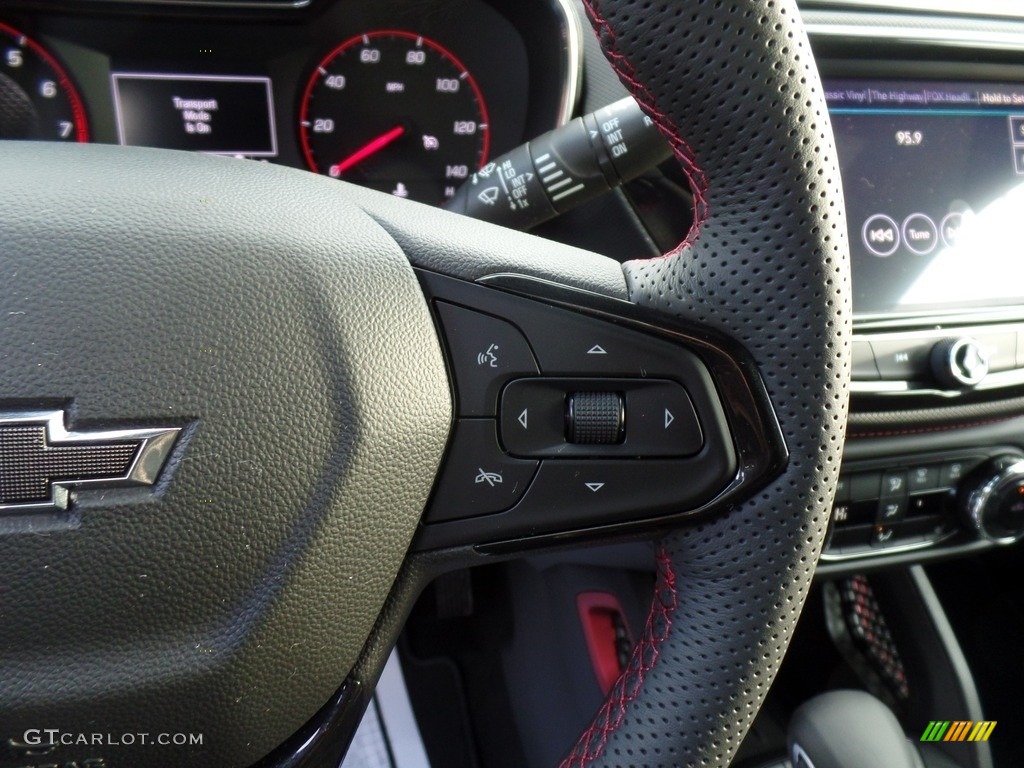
933, 175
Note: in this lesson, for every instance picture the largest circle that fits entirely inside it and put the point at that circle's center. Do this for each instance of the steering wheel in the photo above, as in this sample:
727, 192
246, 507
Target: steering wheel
265, 342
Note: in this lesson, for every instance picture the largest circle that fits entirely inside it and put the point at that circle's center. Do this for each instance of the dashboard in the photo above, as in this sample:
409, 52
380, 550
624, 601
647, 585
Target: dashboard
413, 98
407, 98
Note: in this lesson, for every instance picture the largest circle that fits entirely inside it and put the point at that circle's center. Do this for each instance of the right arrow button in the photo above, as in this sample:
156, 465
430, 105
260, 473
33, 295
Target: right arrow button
661, 421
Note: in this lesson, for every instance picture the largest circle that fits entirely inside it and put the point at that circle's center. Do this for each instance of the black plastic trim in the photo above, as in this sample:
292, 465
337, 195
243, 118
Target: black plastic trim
325, 739
758, 442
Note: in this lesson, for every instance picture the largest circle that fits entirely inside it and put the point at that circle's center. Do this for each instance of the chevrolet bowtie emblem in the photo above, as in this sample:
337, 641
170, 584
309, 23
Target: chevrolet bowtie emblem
40, 460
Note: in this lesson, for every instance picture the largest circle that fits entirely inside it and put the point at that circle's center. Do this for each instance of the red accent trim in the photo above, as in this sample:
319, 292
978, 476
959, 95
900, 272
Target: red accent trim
77, 109
926, 430
304, 108
682, 150
645, 655
597, 616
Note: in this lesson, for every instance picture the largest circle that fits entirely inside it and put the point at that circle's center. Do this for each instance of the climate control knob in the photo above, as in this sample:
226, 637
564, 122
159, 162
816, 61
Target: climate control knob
960, 362
992, 500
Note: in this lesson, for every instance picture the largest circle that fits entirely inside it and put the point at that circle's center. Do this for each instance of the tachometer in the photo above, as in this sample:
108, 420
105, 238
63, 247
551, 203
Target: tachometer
37, 100
397, 112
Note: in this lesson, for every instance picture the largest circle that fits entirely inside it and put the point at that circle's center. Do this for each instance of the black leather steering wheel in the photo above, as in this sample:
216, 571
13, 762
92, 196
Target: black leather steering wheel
274, 317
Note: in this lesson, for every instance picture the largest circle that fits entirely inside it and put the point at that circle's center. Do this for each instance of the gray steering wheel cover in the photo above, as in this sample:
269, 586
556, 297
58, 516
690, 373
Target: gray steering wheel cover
733, 85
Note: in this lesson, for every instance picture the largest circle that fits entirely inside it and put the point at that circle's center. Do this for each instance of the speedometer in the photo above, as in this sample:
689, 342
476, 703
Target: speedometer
397, 112
37, 100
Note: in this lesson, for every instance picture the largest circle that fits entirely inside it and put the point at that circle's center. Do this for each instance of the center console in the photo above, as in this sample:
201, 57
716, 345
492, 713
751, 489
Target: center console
930, 137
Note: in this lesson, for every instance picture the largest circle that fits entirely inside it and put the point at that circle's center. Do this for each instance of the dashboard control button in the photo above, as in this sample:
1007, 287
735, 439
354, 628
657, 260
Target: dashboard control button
864, 486
478, 478
949, 228
920, 234
891, 511
485, 353
883, 535
993, 501
859, 513
881, 235
661, 421
843, 489
962, 362
954, 471
863, 365
840, 514
923, 478
902, 359
894, 484
1001, 348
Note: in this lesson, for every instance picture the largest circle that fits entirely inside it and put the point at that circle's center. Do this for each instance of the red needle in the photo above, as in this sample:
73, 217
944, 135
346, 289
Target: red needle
374, 146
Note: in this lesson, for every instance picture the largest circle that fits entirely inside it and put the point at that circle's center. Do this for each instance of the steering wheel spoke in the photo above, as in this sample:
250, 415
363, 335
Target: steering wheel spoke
579, 415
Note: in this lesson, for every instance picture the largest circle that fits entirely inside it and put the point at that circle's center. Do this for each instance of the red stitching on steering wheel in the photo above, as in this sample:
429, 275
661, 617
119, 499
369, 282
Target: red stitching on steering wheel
682, 150
627, 687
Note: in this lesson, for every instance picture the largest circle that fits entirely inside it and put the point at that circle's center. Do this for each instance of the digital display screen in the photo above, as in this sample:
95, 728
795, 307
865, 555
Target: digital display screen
933, 176
214, 114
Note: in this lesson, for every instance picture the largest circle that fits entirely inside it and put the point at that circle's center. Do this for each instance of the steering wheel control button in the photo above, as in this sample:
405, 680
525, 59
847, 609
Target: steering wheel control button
571, 344
638, 418
485, 353
662, 421
595, 418
533, 417
478, 477
962, 362
601, 490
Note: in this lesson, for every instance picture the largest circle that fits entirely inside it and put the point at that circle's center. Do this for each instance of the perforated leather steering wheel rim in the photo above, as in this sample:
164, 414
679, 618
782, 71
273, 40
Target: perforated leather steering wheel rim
735, 90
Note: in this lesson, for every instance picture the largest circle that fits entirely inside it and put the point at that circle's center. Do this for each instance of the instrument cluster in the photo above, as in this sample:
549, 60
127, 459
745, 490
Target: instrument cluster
406, 98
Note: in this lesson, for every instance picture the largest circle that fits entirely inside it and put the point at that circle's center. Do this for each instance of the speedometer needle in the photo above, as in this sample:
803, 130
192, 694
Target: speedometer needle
364, 152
